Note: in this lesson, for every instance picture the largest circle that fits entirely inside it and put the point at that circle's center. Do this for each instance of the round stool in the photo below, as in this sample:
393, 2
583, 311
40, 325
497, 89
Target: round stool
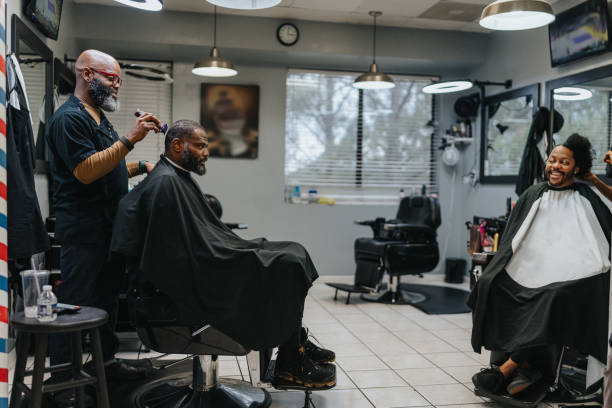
88, 318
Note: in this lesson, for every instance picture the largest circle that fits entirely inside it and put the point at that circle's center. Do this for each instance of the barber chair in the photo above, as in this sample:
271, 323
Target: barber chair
158, 326
405, 245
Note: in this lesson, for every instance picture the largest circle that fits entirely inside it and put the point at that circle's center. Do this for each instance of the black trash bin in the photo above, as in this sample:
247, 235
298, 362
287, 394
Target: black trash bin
455, 270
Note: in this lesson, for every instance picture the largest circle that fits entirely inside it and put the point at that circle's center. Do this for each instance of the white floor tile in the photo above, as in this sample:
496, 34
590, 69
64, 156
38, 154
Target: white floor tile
361, 363
392, 346
337, 399
395, 397
398, 362
426, 376
450, 359
434, 346
376, 379
463, 374
447, 394
351, 350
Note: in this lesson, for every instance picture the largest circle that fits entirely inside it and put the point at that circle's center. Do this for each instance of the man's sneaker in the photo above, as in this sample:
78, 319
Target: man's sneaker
67, 399
523, 378
490, 379
305, 373
317, 354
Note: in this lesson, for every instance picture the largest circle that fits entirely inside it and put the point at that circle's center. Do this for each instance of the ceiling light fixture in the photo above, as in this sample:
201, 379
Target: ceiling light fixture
510, 15
214, 66
447, 87
245, 4
461, 85
149, 5
373, 79
568, 93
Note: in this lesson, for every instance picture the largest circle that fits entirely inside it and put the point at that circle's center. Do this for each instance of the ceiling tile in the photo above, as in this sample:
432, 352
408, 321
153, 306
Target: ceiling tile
453, 11
404, 8
333, 5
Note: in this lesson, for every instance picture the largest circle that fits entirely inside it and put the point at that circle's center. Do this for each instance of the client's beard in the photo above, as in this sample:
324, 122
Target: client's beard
192, 163
103, 96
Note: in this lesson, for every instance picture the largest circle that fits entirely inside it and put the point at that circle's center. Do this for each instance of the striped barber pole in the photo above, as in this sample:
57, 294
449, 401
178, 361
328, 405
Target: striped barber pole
3, 232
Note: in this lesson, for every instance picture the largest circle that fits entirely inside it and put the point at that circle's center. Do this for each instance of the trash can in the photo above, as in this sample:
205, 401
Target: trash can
455, 270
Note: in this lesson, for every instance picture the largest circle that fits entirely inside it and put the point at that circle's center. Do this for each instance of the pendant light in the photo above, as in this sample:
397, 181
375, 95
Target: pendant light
509, 15
461, 85
214, 66
373, 79
570, 93
149, 5
245, 4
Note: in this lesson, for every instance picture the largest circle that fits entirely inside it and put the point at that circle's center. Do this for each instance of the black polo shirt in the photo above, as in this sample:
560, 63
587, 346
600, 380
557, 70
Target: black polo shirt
85, 212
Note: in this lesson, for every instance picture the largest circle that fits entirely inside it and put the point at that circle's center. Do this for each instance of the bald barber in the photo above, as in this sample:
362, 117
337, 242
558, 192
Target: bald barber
90, 176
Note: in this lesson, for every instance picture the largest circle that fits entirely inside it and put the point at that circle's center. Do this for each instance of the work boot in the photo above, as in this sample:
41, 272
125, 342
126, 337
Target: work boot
303, 372
490, 379
523, 378
317, 354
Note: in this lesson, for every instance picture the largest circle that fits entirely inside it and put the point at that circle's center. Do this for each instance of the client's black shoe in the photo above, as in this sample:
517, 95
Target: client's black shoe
67, 399
304, 373
490, 379
317, 354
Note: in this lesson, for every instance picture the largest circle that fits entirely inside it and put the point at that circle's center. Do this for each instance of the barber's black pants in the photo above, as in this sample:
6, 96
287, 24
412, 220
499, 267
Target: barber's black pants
88, 279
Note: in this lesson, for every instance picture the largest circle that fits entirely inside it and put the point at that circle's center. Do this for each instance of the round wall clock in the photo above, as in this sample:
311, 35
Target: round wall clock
287, 34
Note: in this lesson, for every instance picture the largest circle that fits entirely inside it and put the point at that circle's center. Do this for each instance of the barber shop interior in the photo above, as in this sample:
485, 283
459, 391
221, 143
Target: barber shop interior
305, 203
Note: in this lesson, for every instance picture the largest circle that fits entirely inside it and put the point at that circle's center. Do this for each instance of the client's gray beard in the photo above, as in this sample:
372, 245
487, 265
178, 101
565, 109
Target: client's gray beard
191, 163
102, 96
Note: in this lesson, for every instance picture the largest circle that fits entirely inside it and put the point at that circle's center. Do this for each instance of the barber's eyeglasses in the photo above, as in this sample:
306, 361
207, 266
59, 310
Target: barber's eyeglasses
116, 79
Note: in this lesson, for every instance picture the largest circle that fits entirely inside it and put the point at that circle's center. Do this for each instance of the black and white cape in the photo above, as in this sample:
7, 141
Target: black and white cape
550, 280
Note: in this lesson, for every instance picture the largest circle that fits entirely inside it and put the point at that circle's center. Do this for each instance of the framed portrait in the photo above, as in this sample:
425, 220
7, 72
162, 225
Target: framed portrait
230, 115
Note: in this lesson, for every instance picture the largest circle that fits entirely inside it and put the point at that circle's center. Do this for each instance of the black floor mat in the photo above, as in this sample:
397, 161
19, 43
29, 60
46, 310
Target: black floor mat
440, 299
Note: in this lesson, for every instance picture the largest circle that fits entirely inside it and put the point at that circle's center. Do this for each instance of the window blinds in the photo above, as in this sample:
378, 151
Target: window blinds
359, 146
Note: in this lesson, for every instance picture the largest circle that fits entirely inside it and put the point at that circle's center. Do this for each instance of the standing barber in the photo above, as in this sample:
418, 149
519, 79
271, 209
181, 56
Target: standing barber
90, 176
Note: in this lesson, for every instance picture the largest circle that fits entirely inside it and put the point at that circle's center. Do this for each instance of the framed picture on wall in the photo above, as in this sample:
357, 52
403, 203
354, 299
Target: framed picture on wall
230, 115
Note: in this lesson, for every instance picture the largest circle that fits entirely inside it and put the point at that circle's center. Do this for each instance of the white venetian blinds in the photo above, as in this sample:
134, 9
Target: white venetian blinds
358, 148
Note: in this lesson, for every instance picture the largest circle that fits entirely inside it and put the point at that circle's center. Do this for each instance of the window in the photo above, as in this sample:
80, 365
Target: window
149, 96
358, 146
508, 117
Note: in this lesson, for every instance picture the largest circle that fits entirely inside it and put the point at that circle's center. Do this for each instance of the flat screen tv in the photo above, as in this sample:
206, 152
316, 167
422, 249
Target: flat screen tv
579, 32
46, 15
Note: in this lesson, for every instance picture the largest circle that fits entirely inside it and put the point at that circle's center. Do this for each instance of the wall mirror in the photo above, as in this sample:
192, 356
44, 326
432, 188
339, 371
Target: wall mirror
506, 118
584, 102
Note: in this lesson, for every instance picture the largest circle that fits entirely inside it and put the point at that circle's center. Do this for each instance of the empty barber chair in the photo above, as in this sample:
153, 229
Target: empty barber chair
154, 317
405, 245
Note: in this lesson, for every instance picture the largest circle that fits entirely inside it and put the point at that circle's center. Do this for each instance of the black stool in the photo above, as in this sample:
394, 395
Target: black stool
88, 318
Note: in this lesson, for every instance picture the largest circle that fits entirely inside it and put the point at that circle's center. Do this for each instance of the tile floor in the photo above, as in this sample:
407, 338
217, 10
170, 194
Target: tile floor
387, 356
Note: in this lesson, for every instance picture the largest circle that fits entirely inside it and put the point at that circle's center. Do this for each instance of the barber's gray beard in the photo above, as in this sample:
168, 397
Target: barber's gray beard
191, 163
102, 96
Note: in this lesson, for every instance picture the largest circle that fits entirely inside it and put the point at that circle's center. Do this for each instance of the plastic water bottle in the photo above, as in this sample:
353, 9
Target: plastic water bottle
47, 305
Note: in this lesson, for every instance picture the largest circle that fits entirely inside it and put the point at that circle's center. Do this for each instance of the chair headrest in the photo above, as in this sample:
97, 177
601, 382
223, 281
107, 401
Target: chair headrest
420, 210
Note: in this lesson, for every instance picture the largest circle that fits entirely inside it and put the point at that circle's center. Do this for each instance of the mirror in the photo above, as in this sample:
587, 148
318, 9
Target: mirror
35, 60
506, 120
584, 101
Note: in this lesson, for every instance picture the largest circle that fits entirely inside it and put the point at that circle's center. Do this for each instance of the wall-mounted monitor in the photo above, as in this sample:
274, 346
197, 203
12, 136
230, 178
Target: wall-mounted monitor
579, 32
45, 14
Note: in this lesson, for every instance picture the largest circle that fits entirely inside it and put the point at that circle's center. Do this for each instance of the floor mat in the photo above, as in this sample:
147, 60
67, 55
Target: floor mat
439, 299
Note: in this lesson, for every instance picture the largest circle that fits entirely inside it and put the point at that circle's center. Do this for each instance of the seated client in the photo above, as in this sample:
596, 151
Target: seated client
251, 290
549, 282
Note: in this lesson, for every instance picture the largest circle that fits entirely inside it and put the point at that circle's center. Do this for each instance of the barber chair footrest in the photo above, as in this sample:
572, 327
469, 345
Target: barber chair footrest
349, 289
530, 398
401, 297
228, 393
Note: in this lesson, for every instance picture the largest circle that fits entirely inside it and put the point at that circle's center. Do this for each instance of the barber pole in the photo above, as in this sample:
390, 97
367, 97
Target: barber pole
3, 231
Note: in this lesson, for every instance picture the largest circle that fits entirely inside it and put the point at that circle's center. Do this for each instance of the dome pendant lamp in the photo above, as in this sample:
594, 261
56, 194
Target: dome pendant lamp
149, 5
214, 65
511, 15
373, 79
245, 4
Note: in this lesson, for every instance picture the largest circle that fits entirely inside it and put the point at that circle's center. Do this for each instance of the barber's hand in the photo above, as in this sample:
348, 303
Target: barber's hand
149, 166
608, 157
145, 123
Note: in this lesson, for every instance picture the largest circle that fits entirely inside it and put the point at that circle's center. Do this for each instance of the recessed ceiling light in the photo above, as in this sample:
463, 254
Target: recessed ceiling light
245, 4
150, 5
568, 93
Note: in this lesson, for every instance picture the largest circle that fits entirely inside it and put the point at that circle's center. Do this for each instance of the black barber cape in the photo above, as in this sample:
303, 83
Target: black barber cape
549, 282
252, 290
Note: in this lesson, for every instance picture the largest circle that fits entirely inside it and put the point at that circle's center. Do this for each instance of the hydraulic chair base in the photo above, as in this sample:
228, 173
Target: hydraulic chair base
530, 398
228, 393
398, 296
